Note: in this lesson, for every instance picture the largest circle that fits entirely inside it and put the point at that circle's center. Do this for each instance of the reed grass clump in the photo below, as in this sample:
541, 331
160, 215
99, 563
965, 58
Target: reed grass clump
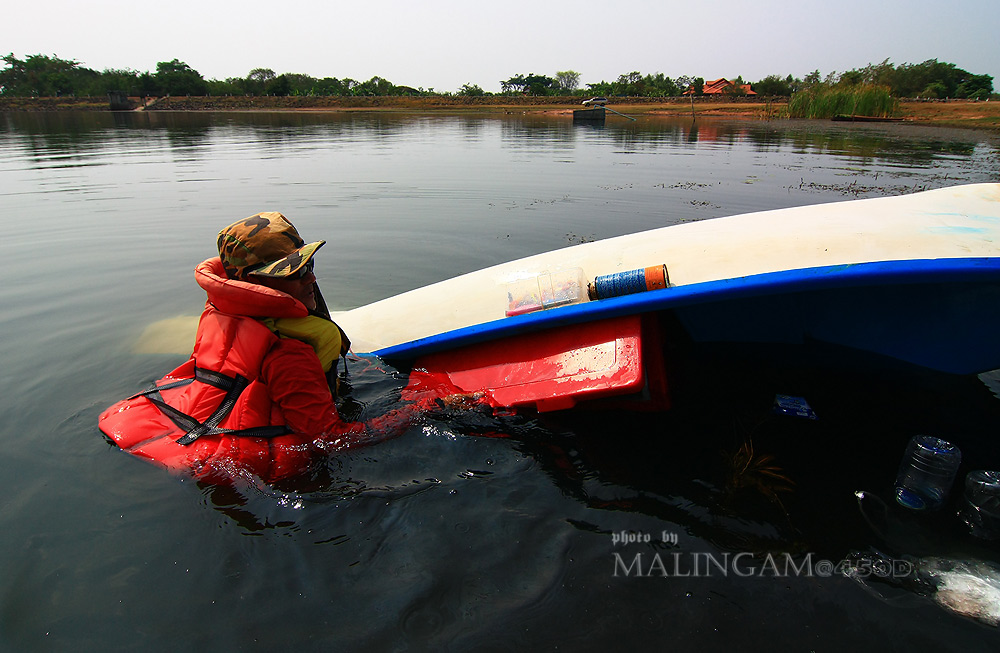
822, 101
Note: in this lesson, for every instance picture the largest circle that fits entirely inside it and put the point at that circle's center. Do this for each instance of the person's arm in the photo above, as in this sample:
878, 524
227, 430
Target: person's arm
296, 382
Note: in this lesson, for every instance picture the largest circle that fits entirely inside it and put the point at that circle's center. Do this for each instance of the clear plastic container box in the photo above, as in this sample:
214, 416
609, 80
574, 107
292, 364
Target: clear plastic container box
546, 290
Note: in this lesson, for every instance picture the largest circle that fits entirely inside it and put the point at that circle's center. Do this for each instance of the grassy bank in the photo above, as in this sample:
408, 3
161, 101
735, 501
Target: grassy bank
861, 100
957, 113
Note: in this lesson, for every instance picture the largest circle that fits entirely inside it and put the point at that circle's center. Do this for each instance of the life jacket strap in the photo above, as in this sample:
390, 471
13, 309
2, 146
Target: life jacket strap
155, 389
236, 386
193, 429
216, 379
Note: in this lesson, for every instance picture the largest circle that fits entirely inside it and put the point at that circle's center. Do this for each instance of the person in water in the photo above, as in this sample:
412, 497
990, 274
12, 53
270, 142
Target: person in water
257, 393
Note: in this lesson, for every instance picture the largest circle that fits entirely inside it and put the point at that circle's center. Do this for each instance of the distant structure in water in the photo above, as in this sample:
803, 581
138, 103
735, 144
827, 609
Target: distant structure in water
595, 114
119, 101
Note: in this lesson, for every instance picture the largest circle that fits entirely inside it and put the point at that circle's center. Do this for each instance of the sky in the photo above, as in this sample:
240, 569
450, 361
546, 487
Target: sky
443, 44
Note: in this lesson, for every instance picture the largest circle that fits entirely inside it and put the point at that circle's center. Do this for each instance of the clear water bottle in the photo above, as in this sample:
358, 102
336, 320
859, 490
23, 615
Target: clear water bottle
981, 504
927, 472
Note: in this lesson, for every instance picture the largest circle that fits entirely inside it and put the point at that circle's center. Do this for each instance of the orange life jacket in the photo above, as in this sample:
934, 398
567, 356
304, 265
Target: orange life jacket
212, 416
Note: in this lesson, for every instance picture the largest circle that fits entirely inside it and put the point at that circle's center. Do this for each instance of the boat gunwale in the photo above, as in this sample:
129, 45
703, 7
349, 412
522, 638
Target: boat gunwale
849, 275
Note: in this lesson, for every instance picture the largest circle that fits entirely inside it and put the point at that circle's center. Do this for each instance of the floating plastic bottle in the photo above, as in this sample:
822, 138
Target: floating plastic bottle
981, 504
927, 472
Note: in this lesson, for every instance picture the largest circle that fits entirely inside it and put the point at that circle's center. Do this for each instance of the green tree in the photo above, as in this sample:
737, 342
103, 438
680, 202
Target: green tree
110, 79
329, 86
601, 88
148, 85
736, 88
280, 86
348, 86
931, 78
513, 85
228, 86
660, 85
852, 78
531, 84
471, 90
567, 81
934, 90
637, 84
879, 74
300, 84
257, 80
177, 78
773, 85
373, 87
630, 84
975, 87
44, 76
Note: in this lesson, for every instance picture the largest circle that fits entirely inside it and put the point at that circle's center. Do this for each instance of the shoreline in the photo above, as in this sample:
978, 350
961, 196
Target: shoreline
944, 113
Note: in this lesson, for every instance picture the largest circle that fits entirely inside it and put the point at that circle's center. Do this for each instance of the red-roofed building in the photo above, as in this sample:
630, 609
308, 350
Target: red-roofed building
723, 86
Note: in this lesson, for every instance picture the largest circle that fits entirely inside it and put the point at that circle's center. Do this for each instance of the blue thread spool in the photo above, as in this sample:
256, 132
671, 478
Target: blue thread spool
630, 282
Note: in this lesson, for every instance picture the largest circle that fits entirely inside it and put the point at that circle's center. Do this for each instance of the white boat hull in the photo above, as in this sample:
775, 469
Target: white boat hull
913, 278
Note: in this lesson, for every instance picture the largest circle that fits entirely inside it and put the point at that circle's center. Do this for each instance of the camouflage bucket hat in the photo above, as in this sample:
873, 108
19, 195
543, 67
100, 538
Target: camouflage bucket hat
264, 245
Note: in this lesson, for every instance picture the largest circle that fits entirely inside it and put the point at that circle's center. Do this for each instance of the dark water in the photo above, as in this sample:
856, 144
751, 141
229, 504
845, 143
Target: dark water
468, 531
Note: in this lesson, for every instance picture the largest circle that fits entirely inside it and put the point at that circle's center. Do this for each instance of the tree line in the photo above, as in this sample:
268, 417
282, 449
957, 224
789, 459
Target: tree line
930, 79
40, 75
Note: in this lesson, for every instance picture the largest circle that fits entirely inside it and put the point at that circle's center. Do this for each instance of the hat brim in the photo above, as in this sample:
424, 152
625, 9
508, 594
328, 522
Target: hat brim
289, 265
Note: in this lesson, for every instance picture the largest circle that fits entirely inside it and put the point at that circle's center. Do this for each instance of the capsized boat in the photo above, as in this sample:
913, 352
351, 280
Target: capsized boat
912, 280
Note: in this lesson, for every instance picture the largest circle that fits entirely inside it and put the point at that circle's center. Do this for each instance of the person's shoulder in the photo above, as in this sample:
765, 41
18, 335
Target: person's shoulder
292, 347
289, 356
